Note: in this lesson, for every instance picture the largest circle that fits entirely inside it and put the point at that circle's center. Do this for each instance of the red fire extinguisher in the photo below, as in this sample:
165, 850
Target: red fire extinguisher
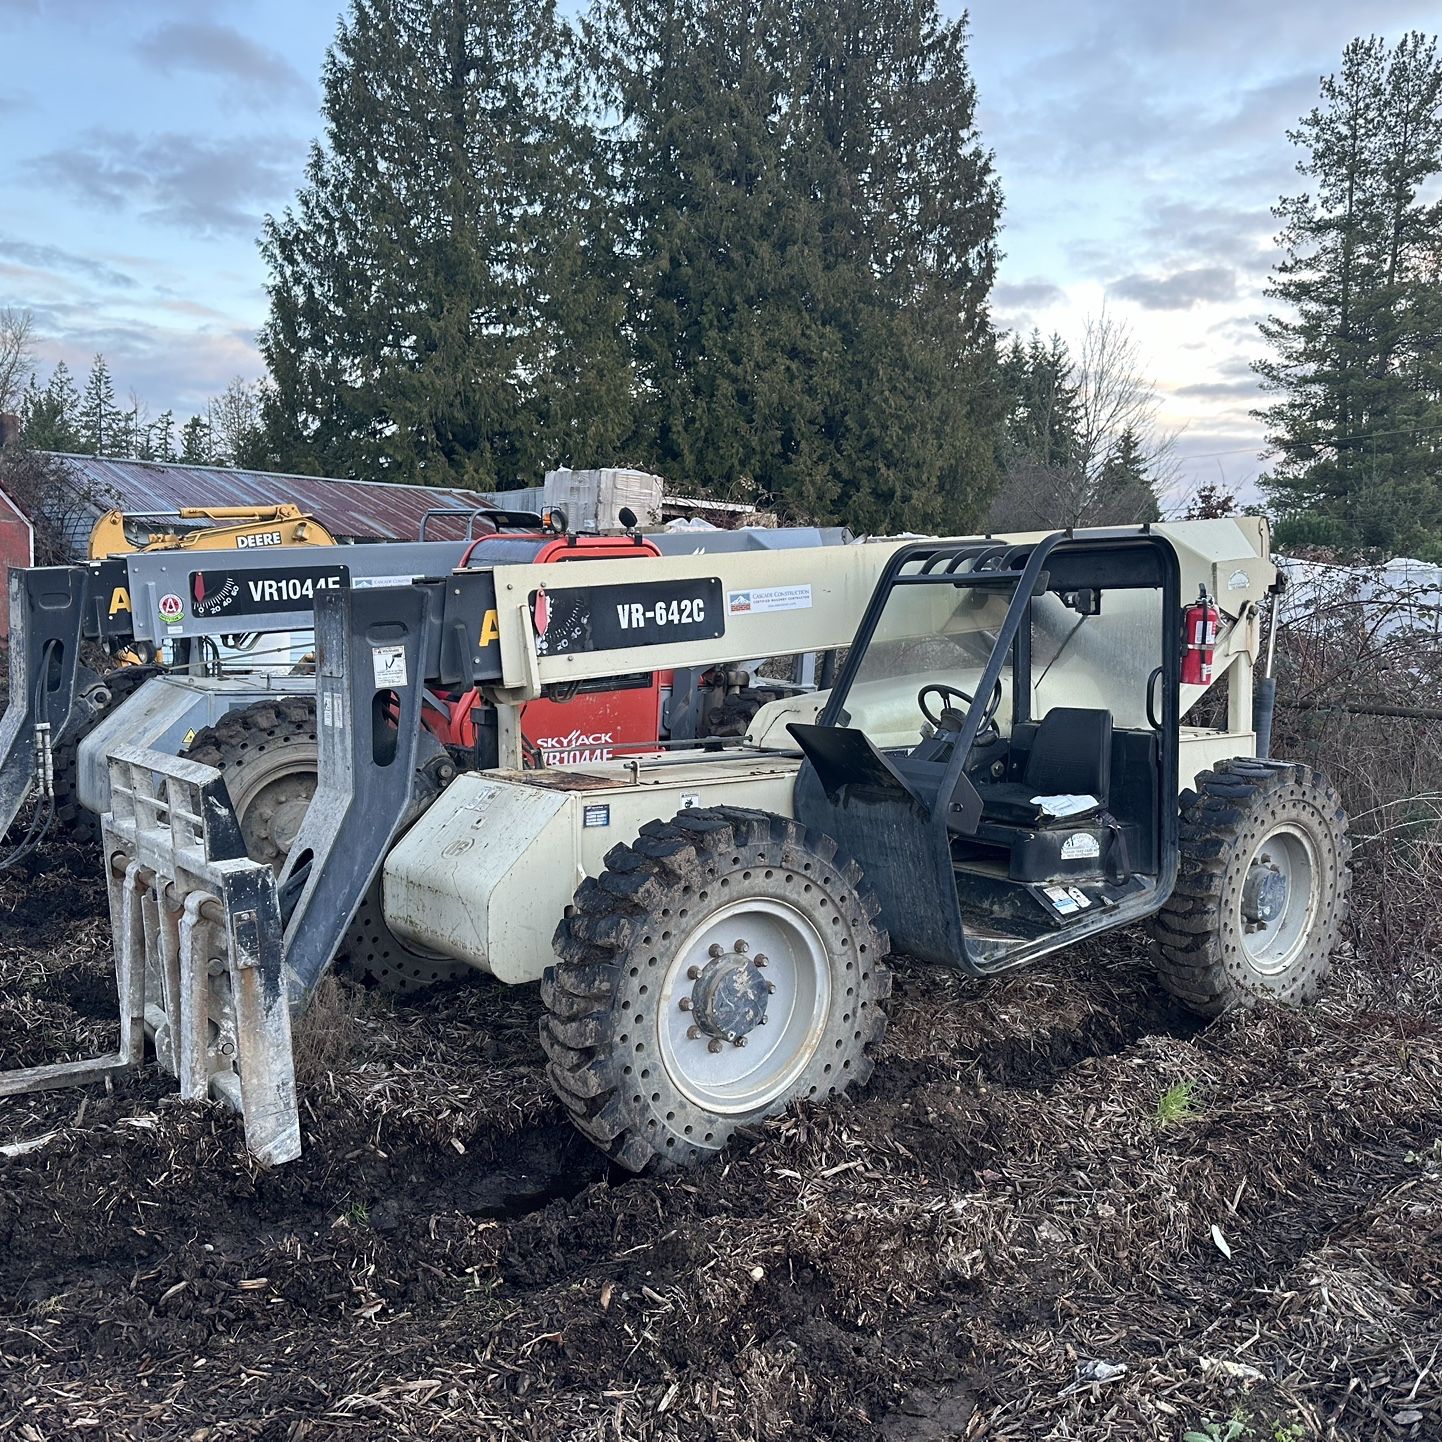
1199, 630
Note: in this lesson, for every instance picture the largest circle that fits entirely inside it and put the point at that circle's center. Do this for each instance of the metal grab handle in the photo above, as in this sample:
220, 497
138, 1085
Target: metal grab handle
1151, 699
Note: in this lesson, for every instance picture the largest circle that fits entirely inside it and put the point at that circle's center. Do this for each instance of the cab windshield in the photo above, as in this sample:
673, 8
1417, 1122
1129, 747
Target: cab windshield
930, 632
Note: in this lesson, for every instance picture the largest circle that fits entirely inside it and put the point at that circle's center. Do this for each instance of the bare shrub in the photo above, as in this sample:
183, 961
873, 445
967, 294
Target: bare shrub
59, 505
17, 354
1356, 641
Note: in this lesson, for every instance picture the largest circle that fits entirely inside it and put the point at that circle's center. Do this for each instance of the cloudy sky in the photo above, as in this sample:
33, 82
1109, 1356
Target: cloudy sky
1140, 144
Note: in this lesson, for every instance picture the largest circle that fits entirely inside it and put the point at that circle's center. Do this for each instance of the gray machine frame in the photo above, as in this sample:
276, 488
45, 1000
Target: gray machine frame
55, 610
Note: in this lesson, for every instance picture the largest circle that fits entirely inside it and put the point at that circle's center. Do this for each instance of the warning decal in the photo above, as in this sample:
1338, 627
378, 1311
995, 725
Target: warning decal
389, 665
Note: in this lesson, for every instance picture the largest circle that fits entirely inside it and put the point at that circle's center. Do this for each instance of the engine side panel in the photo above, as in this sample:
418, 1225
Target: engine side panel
487, 873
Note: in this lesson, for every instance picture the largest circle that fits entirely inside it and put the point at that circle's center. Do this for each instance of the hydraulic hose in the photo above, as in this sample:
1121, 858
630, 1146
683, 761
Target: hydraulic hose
1264, 691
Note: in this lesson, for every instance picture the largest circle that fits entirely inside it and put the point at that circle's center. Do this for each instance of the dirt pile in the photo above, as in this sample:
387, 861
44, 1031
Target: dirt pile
1061, 1209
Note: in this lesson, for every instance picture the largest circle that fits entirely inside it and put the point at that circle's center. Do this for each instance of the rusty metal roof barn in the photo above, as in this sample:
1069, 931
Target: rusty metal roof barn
350, 510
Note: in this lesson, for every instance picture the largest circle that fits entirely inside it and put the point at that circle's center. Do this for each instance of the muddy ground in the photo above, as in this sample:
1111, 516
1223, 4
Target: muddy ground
1061, 1209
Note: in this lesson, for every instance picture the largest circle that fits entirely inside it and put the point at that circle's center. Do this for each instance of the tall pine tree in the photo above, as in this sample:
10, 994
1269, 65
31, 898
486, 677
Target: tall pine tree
196, 448
729, 348
908, 206
815, 230
100, 423
160, 441
1356, 369
430, 281
49, 415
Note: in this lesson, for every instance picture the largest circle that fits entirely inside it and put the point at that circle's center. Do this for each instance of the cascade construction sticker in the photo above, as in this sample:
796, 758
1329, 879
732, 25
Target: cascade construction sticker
768, 598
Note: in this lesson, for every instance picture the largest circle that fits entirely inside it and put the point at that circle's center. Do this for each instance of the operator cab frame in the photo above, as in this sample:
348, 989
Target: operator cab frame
1000, 750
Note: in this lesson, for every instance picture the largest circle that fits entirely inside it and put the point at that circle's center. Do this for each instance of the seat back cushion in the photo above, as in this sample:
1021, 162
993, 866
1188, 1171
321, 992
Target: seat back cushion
1071, 753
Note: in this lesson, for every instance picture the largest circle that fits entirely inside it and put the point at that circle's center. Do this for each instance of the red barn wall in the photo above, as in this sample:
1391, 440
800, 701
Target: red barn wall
17, 550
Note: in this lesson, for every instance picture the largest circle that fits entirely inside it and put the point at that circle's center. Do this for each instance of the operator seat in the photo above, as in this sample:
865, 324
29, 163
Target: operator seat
1071, 755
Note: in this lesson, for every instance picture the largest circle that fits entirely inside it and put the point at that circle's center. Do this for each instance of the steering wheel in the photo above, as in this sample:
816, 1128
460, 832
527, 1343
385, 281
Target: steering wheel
988, 716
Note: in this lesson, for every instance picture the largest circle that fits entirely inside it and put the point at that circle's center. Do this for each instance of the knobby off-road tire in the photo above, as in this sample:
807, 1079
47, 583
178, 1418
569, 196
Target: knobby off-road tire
691, 935
269, 756
1262, 890
73, 821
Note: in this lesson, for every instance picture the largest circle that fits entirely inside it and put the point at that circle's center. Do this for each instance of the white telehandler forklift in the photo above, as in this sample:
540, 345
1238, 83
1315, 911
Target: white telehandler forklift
1002, 768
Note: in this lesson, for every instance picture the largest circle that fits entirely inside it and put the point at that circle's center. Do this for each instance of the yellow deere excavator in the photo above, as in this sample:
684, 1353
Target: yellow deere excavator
205, 528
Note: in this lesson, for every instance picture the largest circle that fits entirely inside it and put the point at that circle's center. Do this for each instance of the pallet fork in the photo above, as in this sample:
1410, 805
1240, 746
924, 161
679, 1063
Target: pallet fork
197, 954
205, 962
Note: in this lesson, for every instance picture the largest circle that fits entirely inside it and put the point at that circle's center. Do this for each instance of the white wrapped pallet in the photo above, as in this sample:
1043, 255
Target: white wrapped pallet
593, 500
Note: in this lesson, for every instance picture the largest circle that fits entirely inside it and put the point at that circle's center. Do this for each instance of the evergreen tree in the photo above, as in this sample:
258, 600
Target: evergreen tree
907, 212
100, 422
49, 416
1356, 426
1080, 445
815, 226
1125, 495
1038, 380
160, 440
728, 343
424, 285
196, 447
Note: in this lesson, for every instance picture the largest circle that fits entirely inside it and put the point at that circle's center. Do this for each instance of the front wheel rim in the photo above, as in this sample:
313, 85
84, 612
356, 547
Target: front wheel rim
1286, 857
713, 1072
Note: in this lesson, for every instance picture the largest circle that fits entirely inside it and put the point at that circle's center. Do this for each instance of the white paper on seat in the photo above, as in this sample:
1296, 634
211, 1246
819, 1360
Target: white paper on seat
1065, 805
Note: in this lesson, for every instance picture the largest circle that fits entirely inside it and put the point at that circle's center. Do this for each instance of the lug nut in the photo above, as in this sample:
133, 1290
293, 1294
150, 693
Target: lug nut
740, 1041
692, 972
741, 947
693, 1033
759, 959
715, 949
770, 988
714, 1044
684, 1003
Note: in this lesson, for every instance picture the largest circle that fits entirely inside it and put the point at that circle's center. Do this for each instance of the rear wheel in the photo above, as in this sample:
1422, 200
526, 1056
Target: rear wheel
723, 966
371, 953
269, 756
1262, 890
